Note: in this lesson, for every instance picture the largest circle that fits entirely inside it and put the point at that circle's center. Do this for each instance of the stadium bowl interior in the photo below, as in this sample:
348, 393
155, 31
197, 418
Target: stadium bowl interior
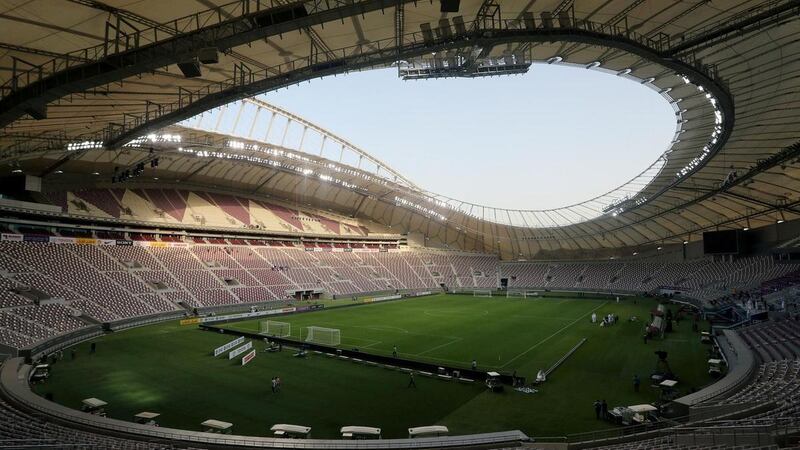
176, 273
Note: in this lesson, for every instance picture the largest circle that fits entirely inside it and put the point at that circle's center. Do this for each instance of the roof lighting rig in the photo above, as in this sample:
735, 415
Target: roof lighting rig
278, 159
83, 145
624, 204
153, 138
709, 147
461, 66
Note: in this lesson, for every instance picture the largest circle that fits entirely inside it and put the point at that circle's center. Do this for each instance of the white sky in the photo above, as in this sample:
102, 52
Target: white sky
556, 136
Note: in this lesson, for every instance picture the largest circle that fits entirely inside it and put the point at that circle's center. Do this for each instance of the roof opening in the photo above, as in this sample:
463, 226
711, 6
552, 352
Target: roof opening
550, 138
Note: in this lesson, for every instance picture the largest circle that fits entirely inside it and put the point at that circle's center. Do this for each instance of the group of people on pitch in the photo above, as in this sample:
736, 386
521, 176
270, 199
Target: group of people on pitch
608, 320
600, 409
276, 384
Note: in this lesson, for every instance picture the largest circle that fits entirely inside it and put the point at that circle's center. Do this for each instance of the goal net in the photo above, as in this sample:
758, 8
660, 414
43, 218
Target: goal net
482, 293
325, 336
275, 328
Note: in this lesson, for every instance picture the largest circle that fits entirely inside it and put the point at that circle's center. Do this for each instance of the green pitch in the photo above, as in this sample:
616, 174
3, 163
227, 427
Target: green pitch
168, 368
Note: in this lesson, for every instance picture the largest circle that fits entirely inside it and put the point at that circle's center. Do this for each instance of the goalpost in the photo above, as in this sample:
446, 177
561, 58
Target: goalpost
275, 328
325, 336
482, 293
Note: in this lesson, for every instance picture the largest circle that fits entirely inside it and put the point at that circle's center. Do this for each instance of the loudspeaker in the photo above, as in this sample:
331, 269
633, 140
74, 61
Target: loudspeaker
208, 55
450, 5
528, 19
444, 30
274, 16
458, 23
37, 111
564, 21
427, 32
190, 69
547, 19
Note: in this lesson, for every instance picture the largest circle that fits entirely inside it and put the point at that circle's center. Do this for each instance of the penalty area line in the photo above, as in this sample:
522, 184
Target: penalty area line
552, 335
455, 339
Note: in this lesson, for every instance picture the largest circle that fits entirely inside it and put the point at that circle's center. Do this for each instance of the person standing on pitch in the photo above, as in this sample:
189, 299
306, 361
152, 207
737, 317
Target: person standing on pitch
394, 351
636, 383
597, 409
274, 384
411, 382
474, 365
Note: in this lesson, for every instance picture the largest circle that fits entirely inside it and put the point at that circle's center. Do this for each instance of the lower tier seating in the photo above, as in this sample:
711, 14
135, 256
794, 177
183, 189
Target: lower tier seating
107, 283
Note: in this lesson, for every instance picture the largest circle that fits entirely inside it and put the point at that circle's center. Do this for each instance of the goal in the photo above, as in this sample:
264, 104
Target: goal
482, 293
325, 336
275, 328
522, 294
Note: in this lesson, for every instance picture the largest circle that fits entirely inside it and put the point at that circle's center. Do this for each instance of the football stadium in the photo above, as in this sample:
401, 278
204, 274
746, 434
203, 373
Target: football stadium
397, 224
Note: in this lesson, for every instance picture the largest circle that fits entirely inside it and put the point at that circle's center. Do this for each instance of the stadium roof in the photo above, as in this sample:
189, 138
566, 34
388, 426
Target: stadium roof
85, 82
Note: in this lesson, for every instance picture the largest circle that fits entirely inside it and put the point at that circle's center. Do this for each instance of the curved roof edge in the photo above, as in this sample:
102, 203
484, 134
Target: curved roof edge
228, 120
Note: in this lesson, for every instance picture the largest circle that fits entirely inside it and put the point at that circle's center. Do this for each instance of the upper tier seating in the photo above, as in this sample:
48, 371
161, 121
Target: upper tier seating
159, 206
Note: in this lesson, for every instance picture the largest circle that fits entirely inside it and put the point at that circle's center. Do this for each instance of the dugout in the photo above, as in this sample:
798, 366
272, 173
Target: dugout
217, 426
716, 367
493, 382
634, 415
146, 418
39, 373
284, 430
428, 431
354, 432
94, 406
305, 294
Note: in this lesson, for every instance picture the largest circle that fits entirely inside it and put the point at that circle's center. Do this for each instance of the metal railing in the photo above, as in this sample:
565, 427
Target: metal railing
121, 41
379, 51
